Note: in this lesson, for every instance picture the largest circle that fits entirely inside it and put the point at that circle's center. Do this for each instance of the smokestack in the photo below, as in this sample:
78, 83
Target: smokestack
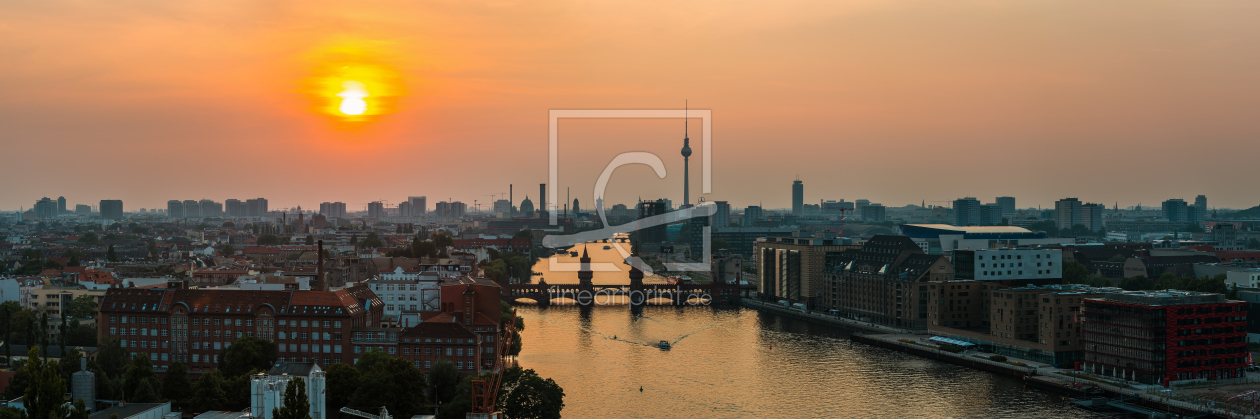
511, 202
542, 197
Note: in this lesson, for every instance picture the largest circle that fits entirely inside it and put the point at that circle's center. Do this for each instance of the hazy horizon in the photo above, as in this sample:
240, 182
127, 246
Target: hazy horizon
145, 101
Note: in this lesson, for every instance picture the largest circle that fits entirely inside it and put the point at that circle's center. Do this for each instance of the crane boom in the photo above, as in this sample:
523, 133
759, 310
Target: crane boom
485, 391
384, 413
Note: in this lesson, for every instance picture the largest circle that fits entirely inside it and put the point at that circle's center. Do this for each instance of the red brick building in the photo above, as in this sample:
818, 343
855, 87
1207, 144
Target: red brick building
193, 326
1154, 337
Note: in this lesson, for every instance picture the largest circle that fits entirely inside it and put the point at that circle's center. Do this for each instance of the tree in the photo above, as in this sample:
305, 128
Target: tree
91, 239
1117, 258
112, 358
341, 382
1137, 283
137, 374
110, 255
444, 240
153, 250
43, 332
74, 260
70, 363
246, 354
423, 249
80, 334
80, 409
443, 381
208, 394
228, 224
1074, 272
268, 240
1253, 243
227, 249
175, 385
394, 383
310, 240
372, 240
721, 244
296, 404
525, 395
82, 307
44, 397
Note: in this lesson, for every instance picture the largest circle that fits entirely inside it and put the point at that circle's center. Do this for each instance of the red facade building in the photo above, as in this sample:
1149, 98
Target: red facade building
194, 326
1155, 337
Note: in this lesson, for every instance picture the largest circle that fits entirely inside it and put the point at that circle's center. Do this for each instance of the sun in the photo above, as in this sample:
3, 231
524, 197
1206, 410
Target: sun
353, 84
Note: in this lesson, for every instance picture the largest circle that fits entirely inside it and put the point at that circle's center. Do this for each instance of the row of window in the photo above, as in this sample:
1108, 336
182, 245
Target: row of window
335, 324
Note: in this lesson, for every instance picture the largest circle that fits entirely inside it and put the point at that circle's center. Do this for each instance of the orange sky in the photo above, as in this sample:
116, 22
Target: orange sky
896, 102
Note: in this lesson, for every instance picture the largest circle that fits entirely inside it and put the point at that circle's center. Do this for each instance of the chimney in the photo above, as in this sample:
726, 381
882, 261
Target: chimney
319, 267
511, 202
542, 197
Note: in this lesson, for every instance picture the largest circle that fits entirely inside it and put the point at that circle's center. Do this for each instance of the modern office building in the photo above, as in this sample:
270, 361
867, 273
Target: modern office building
61, 205
1200, 202
1177, 211
798, 198
654, 234
967, 212
111, 209
81, 209
721, 218
1068, 212
941, 238
874, 212
1019, 266
1156, 337
990, 215
752, 213
1007, 203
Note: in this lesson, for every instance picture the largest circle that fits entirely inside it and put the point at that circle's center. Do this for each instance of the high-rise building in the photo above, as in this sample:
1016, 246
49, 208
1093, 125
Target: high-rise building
990, 215
210, 208
45, 208
575, 208
1091, 216
376, 209
404, 209
81, 209
256, 207
192, 209
175, 208
235, 208
654, 234
798, 198
333, 209
721, 218
752, 213
542, 198
1068, 212
874, 212
858, 204
1200, 202
111, 209
61, 205
1176, 211
419, 205
967, 212
1007, 203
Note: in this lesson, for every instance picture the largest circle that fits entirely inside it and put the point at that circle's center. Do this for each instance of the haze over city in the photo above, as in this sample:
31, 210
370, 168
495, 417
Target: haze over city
1129, 102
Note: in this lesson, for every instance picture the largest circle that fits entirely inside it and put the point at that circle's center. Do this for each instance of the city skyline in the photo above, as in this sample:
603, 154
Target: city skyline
827, 90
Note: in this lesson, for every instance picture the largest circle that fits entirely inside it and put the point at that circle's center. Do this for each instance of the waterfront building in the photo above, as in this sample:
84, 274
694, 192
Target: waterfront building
792, 268
883, 282
1021, 266
1156, 337
1037, 323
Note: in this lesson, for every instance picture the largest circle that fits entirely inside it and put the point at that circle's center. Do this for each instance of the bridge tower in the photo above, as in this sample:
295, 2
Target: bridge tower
586, 287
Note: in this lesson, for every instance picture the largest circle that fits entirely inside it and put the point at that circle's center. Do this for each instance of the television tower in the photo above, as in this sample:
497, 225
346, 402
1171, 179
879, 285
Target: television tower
686, 153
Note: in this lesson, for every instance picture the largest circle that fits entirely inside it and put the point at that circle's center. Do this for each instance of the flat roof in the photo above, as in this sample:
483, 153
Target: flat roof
972, 229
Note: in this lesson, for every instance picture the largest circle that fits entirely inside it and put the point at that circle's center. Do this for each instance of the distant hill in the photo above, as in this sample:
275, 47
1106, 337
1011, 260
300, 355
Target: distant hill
1253, 212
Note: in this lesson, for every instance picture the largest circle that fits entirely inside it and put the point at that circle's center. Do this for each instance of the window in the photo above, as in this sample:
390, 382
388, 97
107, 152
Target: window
427, 350
303, 323
428, 364
337, 324
249, 322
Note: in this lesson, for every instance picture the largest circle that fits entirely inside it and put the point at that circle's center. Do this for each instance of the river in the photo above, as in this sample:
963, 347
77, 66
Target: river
738, 363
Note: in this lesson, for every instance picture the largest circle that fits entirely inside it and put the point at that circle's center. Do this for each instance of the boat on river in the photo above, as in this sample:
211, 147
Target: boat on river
664, 345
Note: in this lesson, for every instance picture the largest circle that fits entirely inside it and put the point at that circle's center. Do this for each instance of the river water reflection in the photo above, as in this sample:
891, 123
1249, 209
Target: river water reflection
736, 362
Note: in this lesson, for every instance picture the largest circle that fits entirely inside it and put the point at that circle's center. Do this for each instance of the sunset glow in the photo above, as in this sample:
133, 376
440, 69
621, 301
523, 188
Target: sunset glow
352, 84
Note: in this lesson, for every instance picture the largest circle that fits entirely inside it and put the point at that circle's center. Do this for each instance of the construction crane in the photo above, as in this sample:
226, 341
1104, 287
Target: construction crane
485, 391
384, 413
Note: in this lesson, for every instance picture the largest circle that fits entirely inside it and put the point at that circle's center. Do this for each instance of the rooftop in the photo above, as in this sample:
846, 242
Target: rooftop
1164, 297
